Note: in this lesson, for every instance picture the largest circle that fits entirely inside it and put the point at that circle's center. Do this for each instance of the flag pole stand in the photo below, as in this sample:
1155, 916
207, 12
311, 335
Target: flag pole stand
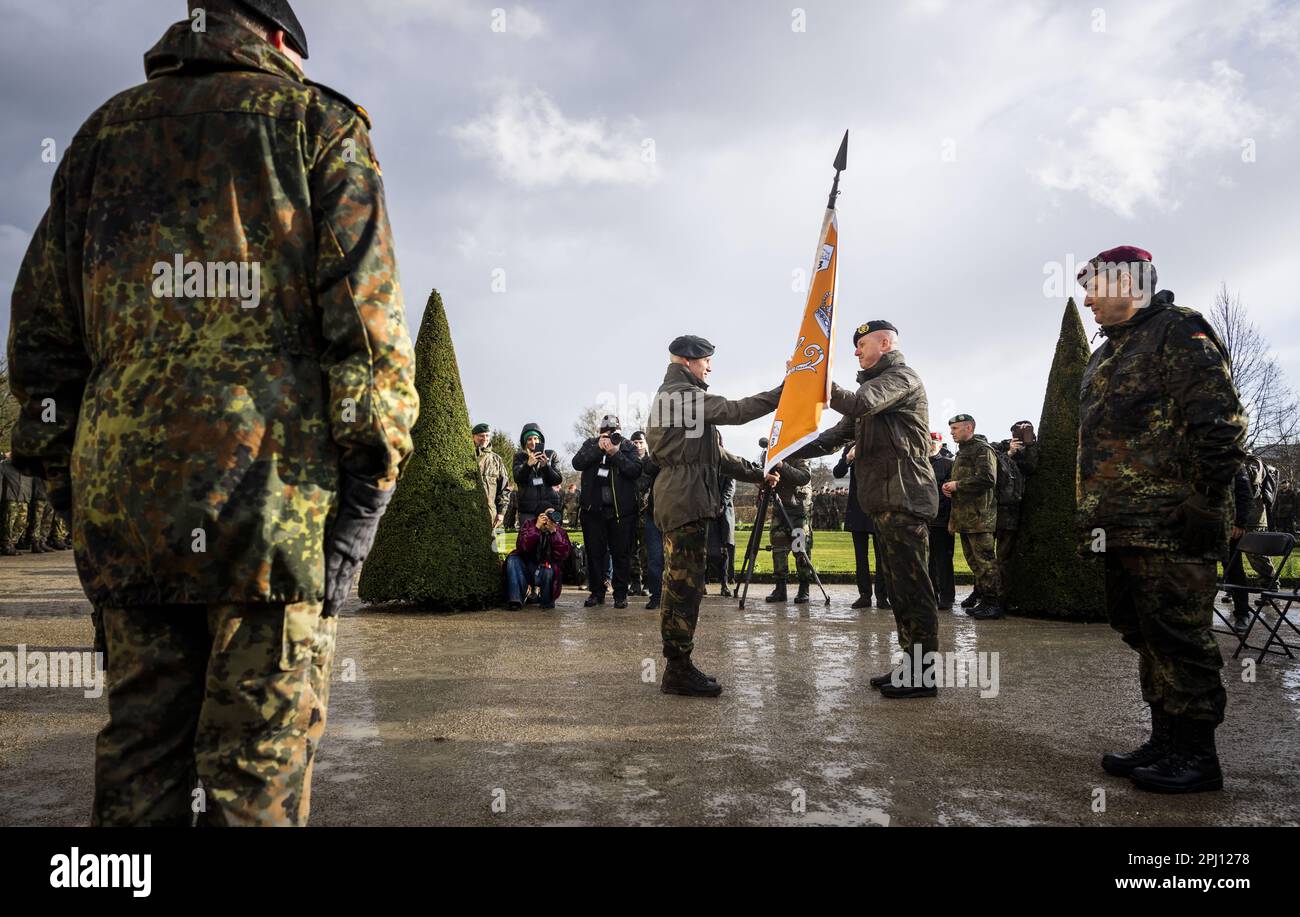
801, 551
765, 496
755, 539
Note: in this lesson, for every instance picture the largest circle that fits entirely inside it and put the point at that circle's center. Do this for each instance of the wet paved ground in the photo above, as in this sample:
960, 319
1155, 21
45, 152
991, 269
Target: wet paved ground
548, 713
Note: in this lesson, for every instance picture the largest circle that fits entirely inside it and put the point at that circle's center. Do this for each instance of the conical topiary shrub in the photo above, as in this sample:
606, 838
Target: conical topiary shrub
434, 548
1049, 578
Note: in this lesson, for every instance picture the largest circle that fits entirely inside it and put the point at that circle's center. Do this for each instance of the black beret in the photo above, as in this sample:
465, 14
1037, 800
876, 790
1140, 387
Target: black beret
280, 14
690, 346
480, 428
877, 325
961, 418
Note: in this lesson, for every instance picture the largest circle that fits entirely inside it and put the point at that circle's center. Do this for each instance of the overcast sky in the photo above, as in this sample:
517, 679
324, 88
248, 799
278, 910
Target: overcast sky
991, 146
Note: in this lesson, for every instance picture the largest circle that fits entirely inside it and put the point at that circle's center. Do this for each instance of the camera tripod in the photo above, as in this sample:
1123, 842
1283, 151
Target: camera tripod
765, 495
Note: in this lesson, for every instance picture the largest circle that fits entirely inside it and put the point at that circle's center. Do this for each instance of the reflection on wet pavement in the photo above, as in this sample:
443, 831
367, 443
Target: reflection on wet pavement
554, 717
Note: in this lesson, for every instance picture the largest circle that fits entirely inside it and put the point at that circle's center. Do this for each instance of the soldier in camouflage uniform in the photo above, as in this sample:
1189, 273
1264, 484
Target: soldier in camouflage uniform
973, 491
688, 453
13, 509
1161, 433
40, 519
493, 473
795, 491
225, 459
888, 417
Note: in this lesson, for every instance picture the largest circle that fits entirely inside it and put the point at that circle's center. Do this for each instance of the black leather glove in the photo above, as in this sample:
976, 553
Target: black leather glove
1202, 524
350, 536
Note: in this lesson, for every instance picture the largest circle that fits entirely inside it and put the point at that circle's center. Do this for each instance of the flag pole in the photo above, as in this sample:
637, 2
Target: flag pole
765, 493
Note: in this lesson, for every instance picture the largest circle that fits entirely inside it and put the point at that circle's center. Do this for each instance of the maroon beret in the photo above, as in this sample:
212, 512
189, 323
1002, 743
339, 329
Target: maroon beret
1120, 254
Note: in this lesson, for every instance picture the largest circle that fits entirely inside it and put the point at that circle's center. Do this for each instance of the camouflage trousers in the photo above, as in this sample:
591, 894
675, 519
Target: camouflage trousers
59, 531
980, 553
1163, 607
685, 555
905, 539
639, 566
40, 521
1005, 545
232, 697
782, 542
14, 523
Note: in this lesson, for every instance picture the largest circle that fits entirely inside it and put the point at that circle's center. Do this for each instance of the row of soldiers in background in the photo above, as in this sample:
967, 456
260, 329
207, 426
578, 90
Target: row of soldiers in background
830, 506
1261, 502
27, 520
985, 484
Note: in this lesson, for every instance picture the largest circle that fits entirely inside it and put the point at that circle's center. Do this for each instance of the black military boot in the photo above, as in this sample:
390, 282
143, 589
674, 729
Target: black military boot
681, 677
801, 597
593, 600
988, 610
864, 601
7, 549
778, 594
653, 603
971, 600
879, 681
1192, 766
1121, 764
1240, 622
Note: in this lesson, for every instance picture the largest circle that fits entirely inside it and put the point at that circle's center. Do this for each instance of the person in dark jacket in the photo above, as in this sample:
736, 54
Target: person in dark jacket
610, 467
536, 473
942, 541
858, 523
722, 537
537, 561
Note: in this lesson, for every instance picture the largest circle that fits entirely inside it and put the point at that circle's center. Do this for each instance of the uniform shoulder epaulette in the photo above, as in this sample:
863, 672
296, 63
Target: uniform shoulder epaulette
330, 91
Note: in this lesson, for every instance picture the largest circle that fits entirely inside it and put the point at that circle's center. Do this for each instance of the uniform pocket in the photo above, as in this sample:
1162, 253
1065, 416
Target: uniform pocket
301, 636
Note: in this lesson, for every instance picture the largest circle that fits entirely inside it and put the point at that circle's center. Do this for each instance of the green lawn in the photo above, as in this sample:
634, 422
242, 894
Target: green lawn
833, 554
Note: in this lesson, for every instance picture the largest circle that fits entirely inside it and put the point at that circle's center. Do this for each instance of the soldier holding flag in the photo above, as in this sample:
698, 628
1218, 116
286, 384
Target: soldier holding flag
889, 419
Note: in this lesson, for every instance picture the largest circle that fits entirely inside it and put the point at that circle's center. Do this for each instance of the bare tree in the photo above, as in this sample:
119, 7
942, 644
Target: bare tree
1270, 403
588, 424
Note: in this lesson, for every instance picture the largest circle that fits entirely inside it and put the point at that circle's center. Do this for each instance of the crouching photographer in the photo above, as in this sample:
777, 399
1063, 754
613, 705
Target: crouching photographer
537, 561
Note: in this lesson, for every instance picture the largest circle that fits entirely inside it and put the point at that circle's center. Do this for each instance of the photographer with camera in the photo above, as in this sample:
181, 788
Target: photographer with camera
1017, 460
536, 473
537, 561
610, 467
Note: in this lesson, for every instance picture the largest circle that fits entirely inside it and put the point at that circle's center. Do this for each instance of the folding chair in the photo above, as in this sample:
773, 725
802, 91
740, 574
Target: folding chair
1274, 545
1271, 599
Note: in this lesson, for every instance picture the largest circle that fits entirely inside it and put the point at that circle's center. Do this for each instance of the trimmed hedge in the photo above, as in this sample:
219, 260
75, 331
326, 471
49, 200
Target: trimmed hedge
1049, 578
434, 548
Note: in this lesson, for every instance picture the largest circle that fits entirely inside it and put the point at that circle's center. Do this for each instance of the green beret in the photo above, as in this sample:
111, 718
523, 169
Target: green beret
480, 428
962, 418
